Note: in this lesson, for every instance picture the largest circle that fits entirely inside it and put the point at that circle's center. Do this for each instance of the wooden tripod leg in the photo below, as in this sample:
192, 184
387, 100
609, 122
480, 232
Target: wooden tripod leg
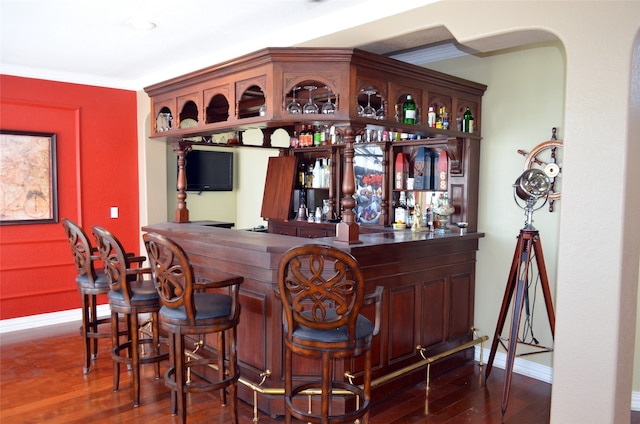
504, 310
528, 237
513, 341
544, 283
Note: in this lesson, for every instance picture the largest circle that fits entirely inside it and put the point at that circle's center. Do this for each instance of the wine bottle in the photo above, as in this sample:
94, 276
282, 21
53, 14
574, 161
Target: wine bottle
409, 110
467, 121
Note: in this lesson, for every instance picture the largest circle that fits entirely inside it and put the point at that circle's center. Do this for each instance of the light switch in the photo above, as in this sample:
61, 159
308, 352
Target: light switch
114, 212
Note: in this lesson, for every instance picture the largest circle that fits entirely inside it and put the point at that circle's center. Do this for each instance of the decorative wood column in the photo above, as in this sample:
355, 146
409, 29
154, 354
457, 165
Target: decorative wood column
385, 219
348, 231
181, 148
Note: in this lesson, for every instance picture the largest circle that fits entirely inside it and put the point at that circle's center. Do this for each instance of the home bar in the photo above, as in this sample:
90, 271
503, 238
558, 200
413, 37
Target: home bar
376, 167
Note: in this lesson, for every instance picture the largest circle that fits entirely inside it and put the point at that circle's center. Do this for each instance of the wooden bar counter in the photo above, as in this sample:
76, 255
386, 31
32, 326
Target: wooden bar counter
428, 300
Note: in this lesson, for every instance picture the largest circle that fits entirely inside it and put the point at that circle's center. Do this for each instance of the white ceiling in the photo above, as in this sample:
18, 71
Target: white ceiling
92, 42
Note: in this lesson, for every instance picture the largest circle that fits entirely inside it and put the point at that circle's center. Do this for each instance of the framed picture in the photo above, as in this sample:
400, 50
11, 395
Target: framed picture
28, 178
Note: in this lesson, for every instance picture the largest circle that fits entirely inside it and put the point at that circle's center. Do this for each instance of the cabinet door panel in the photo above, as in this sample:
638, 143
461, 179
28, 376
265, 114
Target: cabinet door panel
433, 313
402, 319
278, 187
461, 317
252, 343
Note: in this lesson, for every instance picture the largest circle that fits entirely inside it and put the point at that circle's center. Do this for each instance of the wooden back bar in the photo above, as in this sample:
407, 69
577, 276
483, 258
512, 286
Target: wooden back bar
428, 300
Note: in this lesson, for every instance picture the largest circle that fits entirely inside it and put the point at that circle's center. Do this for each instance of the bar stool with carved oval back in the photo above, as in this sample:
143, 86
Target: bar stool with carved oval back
188, 310
130, 295
91, 282
322, 291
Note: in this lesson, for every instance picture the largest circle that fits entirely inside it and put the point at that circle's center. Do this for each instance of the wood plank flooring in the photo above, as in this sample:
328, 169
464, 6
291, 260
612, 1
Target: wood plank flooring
42, 381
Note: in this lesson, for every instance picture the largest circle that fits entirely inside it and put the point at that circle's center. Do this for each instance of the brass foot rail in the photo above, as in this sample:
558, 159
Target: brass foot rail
426, 361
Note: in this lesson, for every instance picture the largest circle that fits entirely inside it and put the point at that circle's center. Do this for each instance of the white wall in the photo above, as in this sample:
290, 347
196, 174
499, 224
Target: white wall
523, 102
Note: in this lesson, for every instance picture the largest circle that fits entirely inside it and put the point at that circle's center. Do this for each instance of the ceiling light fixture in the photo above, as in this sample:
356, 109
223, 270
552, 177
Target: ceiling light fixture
142, 24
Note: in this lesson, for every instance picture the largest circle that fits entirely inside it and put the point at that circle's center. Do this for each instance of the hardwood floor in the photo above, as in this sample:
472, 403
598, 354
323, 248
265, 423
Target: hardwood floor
42, 381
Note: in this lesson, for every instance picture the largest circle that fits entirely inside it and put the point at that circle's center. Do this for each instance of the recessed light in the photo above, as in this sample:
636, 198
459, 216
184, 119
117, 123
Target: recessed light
142, 24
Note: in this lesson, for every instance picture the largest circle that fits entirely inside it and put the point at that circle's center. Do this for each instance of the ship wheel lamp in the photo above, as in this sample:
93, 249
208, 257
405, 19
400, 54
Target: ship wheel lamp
547, 156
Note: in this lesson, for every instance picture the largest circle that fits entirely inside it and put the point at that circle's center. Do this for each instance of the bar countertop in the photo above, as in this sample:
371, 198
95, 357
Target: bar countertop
266, 242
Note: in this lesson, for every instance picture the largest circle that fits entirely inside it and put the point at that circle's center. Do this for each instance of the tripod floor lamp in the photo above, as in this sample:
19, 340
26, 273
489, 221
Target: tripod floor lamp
532, 186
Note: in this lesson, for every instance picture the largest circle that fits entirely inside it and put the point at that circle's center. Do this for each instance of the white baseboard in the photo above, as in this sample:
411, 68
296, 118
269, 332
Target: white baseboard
520, 366
635, 401
43, 320
536, 371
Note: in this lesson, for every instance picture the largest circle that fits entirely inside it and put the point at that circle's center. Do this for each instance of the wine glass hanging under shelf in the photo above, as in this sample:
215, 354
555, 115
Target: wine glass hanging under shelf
370, 104
320, 99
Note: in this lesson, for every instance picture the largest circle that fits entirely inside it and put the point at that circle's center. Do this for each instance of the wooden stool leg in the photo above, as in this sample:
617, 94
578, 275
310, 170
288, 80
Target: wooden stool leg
155, 330
221, 376
135, 356
115, 336
85, 331
172, 366
327, 375
93, 324
180, 376
367, 383
233, 369
287, 382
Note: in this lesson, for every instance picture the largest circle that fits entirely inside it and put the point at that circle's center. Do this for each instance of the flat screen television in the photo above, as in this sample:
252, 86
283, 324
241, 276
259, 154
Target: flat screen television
208, 170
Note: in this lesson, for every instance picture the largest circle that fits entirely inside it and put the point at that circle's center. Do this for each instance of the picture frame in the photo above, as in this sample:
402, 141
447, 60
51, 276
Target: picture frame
28, 178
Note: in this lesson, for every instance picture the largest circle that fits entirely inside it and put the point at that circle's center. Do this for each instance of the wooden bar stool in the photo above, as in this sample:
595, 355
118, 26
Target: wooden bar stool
130, 295
91, 282
322, 290
189, 310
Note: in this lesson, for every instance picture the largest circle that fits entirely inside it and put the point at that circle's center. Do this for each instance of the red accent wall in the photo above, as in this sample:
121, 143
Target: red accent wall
97, 168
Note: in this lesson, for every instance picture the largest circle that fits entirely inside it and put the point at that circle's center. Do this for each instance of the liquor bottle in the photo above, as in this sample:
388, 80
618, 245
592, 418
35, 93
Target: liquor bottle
409, 110
323, 175
433, 222
401, 209
428, 217
431, 117
444, 116
317, 175
317, 136
294, 140
309, 136
327, 174
309, 179
302, 136
302, 174
410, 202
467, 121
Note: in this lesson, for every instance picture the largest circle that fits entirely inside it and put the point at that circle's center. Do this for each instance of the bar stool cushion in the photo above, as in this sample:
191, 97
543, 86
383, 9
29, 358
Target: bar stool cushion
364, 331
141, 292
101, 282
209, 306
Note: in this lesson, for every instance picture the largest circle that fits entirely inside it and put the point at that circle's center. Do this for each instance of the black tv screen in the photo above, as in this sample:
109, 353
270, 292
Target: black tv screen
209, 171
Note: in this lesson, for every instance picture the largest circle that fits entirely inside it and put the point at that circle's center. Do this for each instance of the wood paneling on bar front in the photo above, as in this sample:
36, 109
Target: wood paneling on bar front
428, 298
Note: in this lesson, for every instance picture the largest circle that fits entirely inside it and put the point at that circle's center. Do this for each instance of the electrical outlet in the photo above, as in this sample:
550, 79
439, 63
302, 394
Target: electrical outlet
114, 212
